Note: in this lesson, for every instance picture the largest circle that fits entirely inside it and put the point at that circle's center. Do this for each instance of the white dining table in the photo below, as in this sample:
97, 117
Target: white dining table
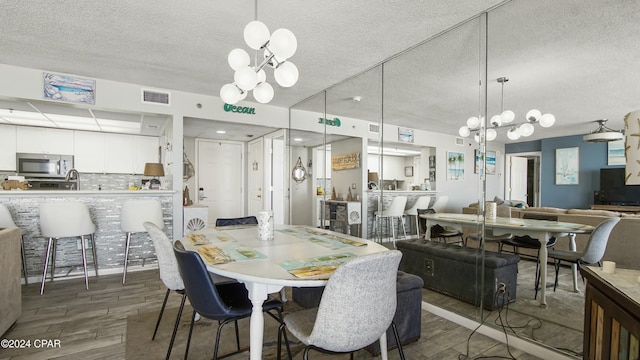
263, 273
543, 230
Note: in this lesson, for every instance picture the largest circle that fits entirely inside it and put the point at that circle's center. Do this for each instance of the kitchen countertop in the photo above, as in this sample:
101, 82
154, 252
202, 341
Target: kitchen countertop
57, 193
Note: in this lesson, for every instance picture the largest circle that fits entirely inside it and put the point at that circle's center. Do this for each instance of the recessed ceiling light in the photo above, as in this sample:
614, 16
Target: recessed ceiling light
297, 139
221, 132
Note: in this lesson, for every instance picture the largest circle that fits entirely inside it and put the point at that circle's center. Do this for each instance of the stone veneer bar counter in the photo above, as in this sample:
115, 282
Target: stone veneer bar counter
104, 207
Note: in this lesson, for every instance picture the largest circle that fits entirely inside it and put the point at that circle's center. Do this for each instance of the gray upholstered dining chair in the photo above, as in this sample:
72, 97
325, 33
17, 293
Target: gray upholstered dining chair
593, 251
169, 274
356, 309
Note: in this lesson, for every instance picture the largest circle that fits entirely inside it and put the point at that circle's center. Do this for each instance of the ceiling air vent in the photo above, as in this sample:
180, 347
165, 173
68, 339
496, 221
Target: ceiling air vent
459, 141
374, 128
155, 97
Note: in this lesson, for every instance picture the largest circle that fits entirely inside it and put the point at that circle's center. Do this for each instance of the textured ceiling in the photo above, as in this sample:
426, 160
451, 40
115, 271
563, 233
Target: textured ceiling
576, 59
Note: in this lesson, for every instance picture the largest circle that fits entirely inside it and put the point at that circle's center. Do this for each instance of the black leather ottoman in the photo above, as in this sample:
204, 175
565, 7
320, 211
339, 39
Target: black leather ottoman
408, 317
456, 271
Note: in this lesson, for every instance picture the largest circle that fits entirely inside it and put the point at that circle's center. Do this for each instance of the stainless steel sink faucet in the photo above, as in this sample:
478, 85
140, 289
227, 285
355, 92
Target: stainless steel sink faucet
73, 174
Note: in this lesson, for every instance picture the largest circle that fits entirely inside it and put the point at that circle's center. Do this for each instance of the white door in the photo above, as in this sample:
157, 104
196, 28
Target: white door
256, 176
517, 186
278, 199
219, 172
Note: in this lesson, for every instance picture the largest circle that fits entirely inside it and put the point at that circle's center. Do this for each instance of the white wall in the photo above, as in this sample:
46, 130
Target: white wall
302, 194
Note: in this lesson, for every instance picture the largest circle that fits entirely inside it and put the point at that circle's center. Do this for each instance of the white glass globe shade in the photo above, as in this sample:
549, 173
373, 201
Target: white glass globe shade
464, 131
238, 58
256, 34
283, 43
496, 120
526, 129
547, 120
507, 116
262, 76
476, 137
286, 74
263, 93
230, 94
473, 122
243, 95
513, 133
491, 134
246, 78
533, 116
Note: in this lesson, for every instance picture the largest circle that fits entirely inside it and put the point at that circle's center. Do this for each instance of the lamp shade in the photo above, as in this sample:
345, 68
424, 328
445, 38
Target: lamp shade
153, 169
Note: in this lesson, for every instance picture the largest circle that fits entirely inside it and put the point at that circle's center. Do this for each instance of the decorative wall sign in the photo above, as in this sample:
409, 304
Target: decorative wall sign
567, 165
405, 135
615, 153
455, 165
344, 162
330, 122
239, 109
69, 88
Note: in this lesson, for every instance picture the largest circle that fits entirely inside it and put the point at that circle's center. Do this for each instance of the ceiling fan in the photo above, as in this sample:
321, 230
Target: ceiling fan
603, 133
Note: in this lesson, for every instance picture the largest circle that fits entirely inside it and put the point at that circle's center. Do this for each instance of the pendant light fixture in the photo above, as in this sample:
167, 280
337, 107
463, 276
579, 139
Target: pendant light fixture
504, 120
603, 133
278, 47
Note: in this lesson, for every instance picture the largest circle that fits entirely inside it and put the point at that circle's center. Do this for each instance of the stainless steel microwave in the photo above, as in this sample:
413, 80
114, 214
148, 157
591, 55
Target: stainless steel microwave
43, 165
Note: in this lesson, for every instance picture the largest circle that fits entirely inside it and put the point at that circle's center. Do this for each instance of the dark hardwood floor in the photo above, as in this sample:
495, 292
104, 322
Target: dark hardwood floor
92, 324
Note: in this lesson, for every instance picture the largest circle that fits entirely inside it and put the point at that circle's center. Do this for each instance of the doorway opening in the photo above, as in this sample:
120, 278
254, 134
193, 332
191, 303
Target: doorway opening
523, 177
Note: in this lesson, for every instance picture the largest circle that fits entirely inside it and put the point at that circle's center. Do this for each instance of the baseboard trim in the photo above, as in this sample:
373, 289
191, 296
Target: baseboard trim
80, 274
525, 345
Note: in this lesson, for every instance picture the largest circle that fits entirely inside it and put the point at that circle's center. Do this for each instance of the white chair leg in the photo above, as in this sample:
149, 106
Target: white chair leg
126, 258
46, 264
404, 230
418, 226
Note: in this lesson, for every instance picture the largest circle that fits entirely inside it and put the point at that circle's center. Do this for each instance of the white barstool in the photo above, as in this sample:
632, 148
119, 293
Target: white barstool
6, 220
63, 220
395, 210
132, 217
422, 203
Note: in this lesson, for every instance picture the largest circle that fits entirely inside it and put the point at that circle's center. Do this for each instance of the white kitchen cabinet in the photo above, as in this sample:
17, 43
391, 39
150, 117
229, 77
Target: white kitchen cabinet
44, 140
8, 147
118, 153
89, 154
145, 150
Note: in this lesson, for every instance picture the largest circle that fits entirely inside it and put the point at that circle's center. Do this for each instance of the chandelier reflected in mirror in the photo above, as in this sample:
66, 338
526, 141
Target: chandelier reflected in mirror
505, 120
278, 48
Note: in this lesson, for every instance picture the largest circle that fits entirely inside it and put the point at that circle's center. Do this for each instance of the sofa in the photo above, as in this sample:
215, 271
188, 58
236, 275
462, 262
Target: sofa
622, 247
10, 267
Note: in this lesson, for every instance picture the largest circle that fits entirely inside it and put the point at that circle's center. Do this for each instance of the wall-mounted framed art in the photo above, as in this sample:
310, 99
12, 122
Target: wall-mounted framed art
567, 166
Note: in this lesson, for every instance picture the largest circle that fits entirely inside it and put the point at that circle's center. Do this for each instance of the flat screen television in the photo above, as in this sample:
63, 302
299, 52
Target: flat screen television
613, 191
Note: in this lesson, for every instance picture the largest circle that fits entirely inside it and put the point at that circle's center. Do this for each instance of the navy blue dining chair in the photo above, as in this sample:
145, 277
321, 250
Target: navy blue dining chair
225, 303
247, 220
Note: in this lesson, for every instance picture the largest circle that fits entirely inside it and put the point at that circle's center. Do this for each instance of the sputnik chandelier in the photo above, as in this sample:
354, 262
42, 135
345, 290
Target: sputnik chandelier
504, 120
278, 47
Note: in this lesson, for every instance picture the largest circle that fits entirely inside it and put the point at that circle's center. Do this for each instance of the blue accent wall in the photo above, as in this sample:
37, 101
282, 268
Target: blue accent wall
593, 157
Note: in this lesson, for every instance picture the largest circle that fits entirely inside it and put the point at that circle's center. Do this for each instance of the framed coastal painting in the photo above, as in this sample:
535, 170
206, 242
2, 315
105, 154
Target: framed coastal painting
567, 166
479, 161
615, 153
455, 165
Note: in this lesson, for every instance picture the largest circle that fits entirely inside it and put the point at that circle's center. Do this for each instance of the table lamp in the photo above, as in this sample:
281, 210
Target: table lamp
154, 169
